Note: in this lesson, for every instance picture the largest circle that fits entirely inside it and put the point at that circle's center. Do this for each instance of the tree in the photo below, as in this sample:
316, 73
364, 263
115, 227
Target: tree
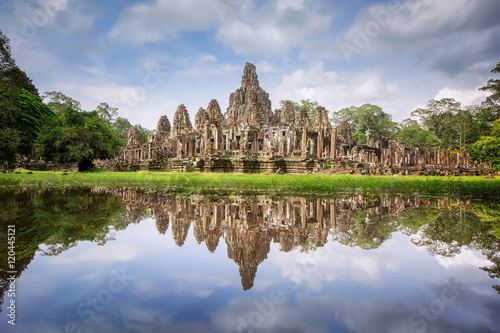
412, 135
122, 126
493, 86
78, 136
487, 149
309, 106
10, 73
443, 118
348, 115
10, 140
481, 122
368, 122
305, 104
144, 133
59, 103
22, 115
22, 112
107, 112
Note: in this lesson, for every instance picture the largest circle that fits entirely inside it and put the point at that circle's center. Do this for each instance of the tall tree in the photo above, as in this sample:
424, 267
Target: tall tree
368, 122
145, 134
22, 112
493, 86
78, 137
348, 114
487, 149
107, 112
305, 104
59, 103
412, 135
443, 119
10, 73
122, 126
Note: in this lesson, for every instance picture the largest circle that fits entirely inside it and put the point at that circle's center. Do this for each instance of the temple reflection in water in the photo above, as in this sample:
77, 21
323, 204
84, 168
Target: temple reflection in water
249, 225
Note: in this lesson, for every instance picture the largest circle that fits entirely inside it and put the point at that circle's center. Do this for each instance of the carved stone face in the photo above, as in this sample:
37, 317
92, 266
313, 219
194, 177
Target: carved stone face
133, 136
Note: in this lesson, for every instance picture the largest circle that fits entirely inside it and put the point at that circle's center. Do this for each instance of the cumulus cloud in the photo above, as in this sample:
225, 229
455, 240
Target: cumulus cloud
162, 19
273, 29
335, 90
436, 30
464, 96
465, 87
135, 103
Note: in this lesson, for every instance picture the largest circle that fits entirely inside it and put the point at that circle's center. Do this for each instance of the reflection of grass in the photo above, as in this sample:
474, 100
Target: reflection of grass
226, 184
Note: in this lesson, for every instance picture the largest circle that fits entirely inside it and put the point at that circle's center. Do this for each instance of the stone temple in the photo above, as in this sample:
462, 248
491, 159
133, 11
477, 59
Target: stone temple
251, 138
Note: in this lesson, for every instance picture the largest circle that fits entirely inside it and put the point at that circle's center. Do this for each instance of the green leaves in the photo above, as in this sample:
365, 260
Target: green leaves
78, 137
415, 136
59, 103
368, 122
22, 115
487, 149
493, 86
10, 73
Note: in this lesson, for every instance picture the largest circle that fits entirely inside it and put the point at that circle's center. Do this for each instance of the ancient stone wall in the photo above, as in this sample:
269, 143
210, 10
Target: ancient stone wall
251, 138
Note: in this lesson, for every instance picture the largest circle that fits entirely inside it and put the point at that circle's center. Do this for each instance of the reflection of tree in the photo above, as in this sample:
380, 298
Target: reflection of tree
475, 226
368, 231
450, 232
58, 219
489, 214
367, 224
444, 226
82, 216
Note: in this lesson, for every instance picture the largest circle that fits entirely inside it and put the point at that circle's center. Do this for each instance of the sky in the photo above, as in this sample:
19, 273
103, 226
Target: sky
148, 57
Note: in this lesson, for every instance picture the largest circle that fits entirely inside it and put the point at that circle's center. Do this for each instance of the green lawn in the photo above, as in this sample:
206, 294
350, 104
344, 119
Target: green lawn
251, 184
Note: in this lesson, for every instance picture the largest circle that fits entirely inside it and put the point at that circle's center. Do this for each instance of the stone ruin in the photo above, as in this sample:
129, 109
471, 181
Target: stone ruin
250, 138
248, 226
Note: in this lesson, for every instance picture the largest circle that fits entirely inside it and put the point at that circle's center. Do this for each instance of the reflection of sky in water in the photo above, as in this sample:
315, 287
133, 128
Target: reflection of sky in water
336, 288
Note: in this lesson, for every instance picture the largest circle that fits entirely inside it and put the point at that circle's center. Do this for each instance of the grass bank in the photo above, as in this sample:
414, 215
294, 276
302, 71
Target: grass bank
246, 184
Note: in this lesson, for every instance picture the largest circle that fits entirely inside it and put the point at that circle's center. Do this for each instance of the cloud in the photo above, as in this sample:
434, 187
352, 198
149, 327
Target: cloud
335, 90
465, 87
273, 29
162, 19
137, 104
436, 31
282, 5
111, 253
205, 66
465, 97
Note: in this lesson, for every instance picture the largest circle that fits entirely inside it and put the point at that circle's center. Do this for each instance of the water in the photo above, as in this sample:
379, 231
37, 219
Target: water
122, 261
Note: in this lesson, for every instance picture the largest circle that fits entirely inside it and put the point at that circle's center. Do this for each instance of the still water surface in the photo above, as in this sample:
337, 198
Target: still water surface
115, 260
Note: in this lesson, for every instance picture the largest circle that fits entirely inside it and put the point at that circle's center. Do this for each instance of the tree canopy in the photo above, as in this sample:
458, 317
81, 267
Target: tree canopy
59, 103
10, 73
487, 148
22, 115
412, 135
493, 86
78, 137
442, 118
305, 104
368, 122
